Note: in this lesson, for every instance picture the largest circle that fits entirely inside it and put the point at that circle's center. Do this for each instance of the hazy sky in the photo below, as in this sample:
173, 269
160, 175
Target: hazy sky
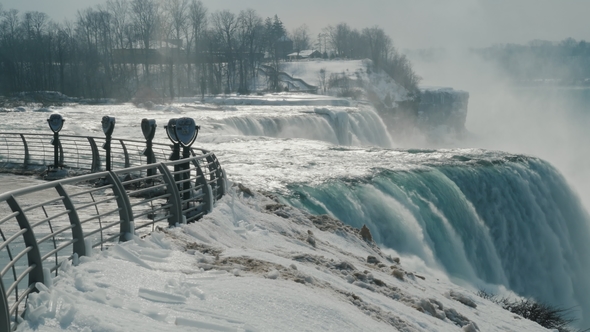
411, 23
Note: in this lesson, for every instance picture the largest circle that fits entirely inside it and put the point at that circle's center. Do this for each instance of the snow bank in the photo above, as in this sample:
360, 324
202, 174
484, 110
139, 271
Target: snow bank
250, 266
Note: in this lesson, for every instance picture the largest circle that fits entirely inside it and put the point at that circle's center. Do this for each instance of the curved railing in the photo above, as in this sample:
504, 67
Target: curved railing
33, 153
45, 225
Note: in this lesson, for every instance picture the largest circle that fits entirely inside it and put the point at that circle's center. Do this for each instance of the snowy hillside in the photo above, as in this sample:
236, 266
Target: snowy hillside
360, 72
257, 265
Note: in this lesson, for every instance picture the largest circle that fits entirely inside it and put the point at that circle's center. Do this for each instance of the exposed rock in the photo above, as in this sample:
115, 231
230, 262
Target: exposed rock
457, 318
274, 207
372, 260
245, 190
366, 234
345, 266
443, 107
462, 298
310, 238
398, 274
471, 327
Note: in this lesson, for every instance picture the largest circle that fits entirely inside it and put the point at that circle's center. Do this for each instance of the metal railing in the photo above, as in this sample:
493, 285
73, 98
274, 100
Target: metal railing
33, 153
45, 225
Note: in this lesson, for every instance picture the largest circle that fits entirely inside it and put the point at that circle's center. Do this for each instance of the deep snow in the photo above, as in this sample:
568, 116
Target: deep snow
250, 266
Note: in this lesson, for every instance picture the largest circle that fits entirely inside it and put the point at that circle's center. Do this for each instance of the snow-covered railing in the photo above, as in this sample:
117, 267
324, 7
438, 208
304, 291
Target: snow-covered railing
45, 225
33, 153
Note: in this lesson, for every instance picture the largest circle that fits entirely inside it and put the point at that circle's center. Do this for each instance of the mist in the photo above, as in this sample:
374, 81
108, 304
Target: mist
545, 121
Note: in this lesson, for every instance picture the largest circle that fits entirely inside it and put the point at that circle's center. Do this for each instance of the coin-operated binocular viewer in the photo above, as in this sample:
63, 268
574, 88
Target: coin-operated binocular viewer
148, 127
186, 132
182, 132
56, 123
108, 126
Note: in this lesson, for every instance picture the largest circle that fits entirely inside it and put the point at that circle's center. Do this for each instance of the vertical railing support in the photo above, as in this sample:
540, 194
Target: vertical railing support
95, 167
34, 256
4, 310
26, 157
125, 153
79, 247
123, 203
174, 199
208, 198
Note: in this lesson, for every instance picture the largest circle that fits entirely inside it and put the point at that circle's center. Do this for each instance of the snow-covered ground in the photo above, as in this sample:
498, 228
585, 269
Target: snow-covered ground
257, 265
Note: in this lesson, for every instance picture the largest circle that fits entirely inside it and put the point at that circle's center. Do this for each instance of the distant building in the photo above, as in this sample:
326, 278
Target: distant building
305, 54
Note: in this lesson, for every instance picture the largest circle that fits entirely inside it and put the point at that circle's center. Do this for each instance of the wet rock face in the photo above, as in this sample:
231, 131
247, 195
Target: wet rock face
442, 107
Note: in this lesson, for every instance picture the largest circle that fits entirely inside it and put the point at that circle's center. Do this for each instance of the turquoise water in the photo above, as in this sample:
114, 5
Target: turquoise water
513, 222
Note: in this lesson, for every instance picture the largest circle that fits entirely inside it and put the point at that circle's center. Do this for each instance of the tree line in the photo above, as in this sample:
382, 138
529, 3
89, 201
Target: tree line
564, 62
167, 48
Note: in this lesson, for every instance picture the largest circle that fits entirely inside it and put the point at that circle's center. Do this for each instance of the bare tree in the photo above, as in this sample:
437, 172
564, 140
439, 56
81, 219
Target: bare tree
147, 19
379, 44
249, 36
339, 38
196, 35
301, 39
225, 25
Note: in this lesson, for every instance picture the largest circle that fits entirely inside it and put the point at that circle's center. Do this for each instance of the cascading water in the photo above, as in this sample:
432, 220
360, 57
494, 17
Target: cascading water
358, 127
512, 222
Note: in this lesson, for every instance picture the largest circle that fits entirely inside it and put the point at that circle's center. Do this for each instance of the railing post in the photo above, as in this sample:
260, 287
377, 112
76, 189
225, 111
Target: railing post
208, 198
26, 147
34, 256
4, 310
176, 209
125, 153
95, 167
126, 213
77, 233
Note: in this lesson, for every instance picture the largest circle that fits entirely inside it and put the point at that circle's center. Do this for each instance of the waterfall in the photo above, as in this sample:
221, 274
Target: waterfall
514, 223
358, 127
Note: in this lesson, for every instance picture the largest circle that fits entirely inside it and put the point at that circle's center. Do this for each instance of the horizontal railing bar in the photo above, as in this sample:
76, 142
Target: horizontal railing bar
183, 181
14, 260
185, 191
147, 200
142, 178
200, 214
192, 208
53, 234
146, 212
13, 237
21, 298
137, 192
102, 228
50, 218
152, 222
49, 201
181, 171
19, 279
100, 215
95, 203
106, 240
194, 198
9, 216
62, 246
107, 186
